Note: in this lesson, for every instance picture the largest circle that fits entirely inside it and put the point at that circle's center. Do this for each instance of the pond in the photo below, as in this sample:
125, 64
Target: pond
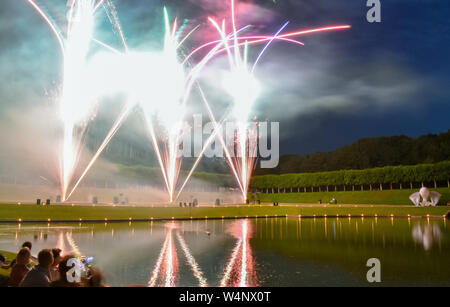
254, 252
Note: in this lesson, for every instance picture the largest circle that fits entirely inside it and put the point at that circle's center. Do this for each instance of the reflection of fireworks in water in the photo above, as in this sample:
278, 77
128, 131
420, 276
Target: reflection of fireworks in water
166, 267
230, 264
60, 244
75, 250
240, 269
191, 260
156, 270
171, 263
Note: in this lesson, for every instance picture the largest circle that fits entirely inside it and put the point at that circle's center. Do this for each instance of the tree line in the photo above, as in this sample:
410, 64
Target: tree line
373, 178
369, 153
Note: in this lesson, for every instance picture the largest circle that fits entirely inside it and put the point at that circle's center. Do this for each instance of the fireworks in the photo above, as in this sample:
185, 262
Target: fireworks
160, 83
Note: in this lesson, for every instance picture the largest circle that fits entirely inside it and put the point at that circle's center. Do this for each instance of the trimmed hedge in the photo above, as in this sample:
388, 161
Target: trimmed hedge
385, 197
381, 175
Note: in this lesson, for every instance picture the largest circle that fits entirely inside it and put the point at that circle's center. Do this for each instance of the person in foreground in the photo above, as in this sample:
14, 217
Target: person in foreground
29, 245
54, 270
39, 275
20, 268
95, 278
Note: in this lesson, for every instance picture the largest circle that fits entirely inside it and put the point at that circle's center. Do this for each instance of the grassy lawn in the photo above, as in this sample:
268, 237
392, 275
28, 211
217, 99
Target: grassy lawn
9, 257
385, 197
67, 212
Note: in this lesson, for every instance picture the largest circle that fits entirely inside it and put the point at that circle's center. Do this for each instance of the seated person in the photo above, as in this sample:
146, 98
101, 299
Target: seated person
25, 244
54, 274
39, 275
20, 268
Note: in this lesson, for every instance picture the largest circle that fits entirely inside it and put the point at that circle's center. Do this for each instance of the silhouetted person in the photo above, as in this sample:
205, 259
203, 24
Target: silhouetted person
54, 273
20, 268
25, 244
39, 275
95, 278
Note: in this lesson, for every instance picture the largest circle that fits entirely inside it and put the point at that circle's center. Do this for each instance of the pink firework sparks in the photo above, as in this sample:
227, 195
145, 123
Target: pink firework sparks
240, 269
166, 268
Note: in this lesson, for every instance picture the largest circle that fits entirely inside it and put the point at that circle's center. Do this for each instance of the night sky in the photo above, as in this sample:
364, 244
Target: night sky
376, 79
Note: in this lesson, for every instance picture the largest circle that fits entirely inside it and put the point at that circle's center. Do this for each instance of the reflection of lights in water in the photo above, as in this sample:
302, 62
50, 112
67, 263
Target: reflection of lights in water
240, 265
239, 270
60, 244
155, 272
171, 262
191, 260
243, 281
167, 263
427, 235
229, 267
73, 245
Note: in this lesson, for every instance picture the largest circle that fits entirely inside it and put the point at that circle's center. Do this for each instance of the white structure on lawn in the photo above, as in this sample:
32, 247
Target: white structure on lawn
425, 194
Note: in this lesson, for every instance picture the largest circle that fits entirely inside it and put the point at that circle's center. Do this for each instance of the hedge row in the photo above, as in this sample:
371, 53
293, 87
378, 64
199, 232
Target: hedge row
381, 175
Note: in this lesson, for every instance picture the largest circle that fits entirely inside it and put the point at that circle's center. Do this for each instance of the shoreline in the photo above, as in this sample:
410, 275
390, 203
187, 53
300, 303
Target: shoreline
13, 213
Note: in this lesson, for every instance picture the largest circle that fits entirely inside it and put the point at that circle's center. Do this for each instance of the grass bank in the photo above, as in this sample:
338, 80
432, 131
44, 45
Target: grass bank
9, 257
14, 212
385, 197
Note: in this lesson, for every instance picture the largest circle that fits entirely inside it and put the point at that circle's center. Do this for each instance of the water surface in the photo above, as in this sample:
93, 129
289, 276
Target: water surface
261, 252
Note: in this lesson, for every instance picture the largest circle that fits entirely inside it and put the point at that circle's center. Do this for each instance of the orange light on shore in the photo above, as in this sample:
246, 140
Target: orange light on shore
48, 220
19, 220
